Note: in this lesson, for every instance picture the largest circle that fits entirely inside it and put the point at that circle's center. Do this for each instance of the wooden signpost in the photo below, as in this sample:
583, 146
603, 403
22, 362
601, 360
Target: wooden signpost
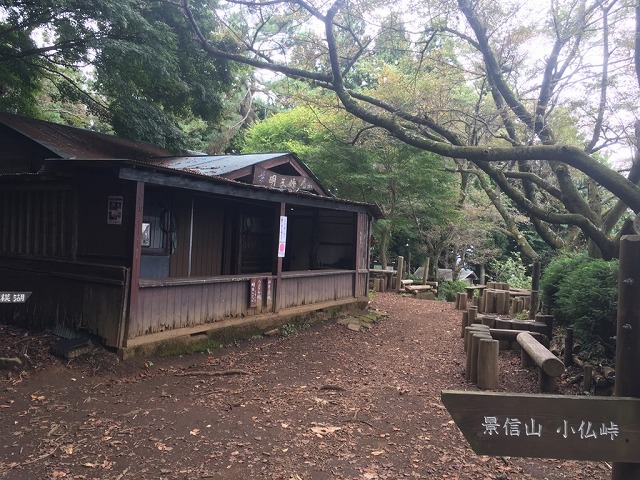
569, 427
548, 426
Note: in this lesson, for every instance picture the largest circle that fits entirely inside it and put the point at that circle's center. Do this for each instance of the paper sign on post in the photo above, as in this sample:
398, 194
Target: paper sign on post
282, 240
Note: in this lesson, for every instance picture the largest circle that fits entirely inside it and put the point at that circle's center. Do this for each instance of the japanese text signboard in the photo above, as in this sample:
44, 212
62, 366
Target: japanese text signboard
14, 297
282, 182
548, 426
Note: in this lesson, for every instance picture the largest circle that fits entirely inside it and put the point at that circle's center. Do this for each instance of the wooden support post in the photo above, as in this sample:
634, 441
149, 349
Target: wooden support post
547, 383
535, 290
425, 274
278, 286
400, 267
464, 323
550, 366
588, 378
473, 353
471, 330
548, 321
527, 361
489, 301
502, 302
628, 337
473, 313
488, 364
568, 347
468, 334
462, 301
123, 330
489, 321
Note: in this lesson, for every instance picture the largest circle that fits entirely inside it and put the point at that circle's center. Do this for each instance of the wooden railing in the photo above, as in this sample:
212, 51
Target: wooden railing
171, 304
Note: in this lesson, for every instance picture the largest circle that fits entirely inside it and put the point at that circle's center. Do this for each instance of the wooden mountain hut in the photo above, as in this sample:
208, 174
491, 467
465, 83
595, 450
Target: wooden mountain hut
134, 245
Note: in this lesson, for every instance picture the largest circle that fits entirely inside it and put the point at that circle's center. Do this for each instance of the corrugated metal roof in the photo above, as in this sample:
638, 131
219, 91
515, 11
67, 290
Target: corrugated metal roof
71, 142
216, 164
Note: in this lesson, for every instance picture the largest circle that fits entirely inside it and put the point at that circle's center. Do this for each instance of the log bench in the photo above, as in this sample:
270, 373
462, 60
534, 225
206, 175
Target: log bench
549, 366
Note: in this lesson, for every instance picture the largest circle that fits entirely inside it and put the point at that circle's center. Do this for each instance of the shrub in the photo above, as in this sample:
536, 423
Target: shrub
589, 296
551, 279
448, 290
582, 292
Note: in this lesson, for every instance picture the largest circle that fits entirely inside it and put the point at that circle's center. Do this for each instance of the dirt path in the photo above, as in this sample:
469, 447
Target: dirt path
325, 403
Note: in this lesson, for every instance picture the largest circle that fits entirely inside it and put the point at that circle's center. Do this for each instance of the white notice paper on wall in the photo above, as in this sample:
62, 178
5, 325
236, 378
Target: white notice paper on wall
282, 239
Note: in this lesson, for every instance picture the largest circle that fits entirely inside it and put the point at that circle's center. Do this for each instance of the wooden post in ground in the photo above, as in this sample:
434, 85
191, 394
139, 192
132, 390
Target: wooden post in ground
535, 290
488, 364
628, 337
489, 300
472, 314
568, 347
548, 321
502, 302
470, 330
399, 267
425, 274
588, 378
473, 353
464, 322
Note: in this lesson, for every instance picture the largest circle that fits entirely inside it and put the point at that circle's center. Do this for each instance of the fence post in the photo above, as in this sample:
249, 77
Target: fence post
628, 337
535, 290
400, 267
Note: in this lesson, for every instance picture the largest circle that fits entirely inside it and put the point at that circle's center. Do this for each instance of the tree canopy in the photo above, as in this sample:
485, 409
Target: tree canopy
526, 99
131, 64
361, 163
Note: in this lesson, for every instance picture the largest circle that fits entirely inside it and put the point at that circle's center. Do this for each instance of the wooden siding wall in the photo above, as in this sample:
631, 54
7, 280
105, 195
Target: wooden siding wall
98, 241
177, 304
77, 295
336, 239
316, 287
37, 221
206, 257
208, 228
174, 304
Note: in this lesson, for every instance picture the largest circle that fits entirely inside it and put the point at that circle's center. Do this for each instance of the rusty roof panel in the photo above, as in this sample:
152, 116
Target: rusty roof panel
71, 142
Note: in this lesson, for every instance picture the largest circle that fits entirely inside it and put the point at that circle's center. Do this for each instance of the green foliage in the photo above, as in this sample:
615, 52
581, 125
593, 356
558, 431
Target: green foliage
589, 296
132, 63
511, 271
358, 163
582, 292
552, 277
448, 290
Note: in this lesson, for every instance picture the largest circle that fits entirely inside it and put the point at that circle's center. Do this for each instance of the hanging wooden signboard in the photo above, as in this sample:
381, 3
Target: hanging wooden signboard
548, 426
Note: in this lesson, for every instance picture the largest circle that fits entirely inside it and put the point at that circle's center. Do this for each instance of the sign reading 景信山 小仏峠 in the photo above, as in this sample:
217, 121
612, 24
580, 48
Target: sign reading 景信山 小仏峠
548, 426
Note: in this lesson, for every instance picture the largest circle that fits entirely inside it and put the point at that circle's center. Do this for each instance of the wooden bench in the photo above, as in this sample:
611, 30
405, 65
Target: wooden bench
549, 366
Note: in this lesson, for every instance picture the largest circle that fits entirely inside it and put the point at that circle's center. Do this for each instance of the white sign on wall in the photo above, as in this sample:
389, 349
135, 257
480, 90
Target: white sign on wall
282, 239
